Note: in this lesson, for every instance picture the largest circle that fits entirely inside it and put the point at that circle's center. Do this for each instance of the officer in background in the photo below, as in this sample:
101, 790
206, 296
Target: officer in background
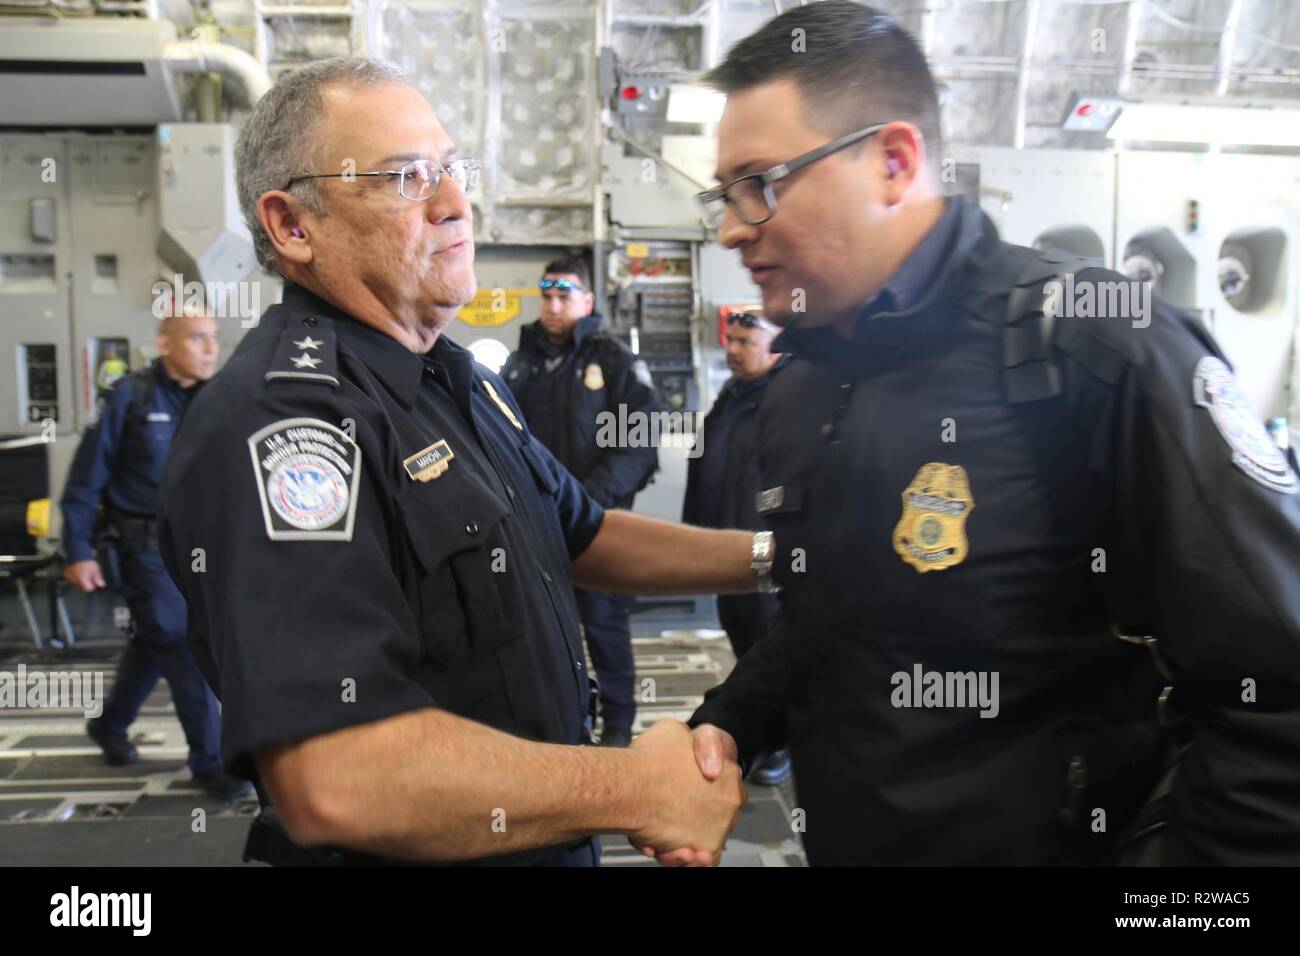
722, 482
110, 370
972, 502
118, 466
386, 611
566, 375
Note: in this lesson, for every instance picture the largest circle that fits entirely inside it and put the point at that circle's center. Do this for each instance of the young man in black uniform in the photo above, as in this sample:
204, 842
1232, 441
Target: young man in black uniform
386, 602
722, 483
972, 501
569, 376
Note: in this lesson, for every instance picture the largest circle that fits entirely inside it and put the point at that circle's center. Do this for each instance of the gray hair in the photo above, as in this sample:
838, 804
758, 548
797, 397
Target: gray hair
280, 139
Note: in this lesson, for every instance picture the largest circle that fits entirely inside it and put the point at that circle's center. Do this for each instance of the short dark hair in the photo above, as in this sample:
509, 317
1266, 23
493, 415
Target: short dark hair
570, 266
853, 64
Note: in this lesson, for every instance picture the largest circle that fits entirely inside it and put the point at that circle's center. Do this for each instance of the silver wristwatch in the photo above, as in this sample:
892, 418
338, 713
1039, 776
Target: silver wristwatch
762, 555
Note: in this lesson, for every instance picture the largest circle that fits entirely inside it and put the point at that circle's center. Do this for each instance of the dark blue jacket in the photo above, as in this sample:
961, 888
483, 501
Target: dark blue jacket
120, 460
936, 516
722, 478
597, 382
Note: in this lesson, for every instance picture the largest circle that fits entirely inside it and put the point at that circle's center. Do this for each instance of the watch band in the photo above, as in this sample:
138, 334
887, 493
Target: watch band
762, 555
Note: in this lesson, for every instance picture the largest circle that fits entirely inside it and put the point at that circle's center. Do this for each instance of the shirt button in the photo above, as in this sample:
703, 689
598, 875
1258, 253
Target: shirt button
827, 429
577, 665
546, 576
471, 527
310, 321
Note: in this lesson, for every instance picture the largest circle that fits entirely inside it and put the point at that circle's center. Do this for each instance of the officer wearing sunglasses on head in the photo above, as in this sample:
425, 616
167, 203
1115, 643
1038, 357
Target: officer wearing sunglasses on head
566, 374
975, 491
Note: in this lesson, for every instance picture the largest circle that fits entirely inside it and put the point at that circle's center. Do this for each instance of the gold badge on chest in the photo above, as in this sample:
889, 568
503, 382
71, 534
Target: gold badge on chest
593, 377
931, 534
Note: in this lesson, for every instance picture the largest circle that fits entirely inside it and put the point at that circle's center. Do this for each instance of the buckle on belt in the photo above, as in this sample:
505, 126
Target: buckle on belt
1166, 714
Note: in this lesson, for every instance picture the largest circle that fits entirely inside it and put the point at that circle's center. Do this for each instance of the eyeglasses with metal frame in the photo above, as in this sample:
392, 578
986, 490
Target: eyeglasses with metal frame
753, 198
417, 181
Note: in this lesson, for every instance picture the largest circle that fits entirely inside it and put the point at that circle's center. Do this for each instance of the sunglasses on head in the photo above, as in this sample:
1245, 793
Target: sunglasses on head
745, 319
563, 285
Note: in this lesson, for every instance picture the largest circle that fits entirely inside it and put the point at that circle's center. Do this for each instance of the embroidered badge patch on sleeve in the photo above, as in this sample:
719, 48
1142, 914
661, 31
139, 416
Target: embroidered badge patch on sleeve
1215, 389
307, 472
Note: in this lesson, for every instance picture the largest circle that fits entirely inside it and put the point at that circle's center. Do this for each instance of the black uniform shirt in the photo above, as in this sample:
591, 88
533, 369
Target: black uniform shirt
120, 460
362, 531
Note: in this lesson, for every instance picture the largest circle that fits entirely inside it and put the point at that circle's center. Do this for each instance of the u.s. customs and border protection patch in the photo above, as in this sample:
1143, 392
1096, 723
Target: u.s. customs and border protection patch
307, 475
931, 534
1215, 389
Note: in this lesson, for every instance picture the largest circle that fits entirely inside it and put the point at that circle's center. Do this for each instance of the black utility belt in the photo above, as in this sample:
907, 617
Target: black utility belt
138, 544
132, 526
132, 534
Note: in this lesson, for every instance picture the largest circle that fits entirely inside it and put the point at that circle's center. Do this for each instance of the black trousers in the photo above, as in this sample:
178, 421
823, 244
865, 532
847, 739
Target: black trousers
159, 647
609, 639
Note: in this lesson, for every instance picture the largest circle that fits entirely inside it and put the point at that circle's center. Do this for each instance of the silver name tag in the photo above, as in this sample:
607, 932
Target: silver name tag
770, 500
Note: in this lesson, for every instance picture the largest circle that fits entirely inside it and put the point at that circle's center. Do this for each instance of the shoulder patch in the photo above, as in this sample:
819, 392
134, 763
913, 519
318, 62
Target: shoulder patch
1215, 389
305, 354
307, 475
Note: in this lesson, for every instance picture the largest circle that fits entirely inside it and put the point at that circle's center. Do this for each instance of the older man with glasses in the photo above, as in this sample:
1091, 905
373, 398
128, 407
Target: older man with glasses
378, 555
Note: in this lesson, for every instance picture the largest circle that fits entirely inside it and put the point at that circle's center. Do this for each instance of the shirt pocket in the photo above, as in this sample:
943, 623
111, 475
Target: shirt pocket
154, 444
454, 527
546, 480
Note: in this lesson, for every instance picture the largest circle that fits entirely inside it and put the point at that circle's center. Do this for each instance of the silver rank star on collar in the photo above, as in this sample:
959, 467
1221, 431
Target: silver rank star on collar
300, 357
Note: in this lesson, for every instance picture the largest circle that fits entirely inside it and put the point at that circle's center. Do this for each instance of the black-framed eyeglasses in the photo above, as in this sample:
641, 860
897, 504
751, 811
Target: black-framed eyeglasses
560, 285
752, 197
418, 180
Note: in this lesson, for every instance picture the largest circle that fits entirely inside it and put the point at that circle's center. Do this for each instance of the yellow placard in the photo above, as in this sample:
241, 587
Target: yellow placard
38, 517
636, 250
497, 306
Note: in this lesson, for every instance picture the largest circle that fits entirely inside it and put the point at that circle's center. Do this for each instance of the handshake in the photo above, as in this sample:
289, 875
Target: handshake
694, 793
